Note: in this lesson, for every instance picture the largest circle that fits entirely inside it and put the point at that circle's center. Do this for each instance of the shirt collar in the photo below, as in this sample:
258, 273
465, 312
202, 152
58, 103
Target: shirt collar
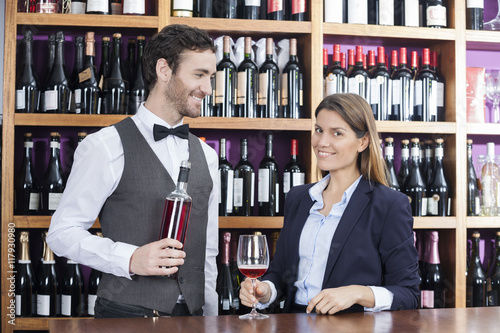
316, 190
148, 119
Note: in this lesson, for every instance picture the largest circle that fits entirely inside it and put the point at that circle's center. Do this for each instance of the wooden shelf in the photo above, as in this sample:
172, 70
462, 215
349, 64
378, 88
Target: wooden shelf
88, 20
38, 323
37, 222
416, 127
483, 129
483, 222
483, 40
435, 222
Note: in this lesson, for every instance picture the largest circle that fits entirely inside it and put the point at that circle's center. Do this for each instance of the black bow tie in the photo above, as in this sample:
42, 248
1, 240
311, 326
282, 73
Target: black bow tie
161, 132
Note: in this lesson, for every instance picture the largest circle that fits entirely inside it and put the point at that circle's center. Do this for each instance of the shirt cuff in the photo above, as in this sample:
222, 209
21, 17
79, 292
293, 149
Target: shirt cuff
383, 299
123, 253
274, 294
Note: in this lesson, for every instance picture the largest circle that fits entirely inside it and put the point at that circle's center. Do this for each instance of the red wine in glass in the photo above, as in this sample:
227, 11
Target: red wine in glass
253, 271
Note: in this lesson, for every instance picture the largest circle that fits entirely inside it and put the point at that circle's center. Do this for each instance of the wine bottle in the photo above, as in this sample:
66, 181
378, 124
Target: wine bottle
251, 9
476, 278
48, 285
182, 8
426, 89
78, 6
404, 166
205, 8
246, 93
399, 12
336, 78
225, 83
134, 7
53, 184
244, 183
268, 85
325, 65
358, 80
297, 10
73, 291
226, 177
494, 279
357, 11
386, 12
51, 51
27, 84
334, 11
411, 10
435, 14
100, 7
275, 10
437, 189
402, 90
432, 294
440, 87
25, 281
268, 183
414, 64
381, 88
490, 179
373, 12
57, 94
474, 14
128, 65
27, 192
115, 87
414, 185
294, 173
48, 6
87, 92
392, 179
139, 91
226, 9
78, 66
473, 203
94, 279
292, 91
225, 288
116, 7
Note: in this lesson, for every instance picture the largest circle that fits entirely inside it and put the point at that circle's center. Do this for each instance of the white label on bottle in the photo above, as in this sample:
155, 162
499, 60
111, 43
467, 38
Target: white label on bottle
241, 92
412, 19
91, 304
427, 299
432, 205
18, 305
353, 86
440, 94
255, 3
405, 153
375, 91
334, 10
418, 92
43, 305
298, 178
55, 144
436, 16
415, 151
34, 201
66, 305
386, 12
389, 151
286, 182
331, 84
357, 11
424, 206
225, 304
182, 5
277, 202
238, 192
263, 185
136, 7
20, 99
28, 144
252, 192
478, 205
396, 88
54, 199
97, 6
229, 194
220, 186
475, 3
78, 7
78, 100
51, 100
220, 86
262, 100
284, 89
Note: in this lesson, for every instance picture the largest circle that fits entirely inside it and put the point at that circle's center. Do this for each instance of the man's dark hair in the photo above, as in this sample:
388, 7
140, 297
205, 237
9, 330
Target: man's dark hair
168, 44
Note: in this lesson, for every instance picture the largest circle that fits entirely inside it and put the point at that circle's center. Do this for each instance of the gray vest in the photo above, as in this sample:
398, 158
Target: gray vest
133, 215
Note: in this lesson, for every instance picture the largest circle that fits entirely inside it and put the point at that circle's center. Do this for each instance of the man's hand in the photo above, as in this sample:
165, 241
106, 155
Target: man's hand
155, 257
262, 292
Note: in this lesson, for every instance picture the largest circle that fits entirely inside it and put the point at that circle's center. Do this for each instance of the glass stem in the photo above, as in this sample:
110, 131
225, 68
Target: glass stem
254, 311
495, 116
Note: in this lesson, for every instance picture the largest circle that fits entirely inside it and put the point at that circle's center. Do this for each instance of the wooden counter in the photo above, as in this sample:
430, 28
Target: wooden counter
435, 320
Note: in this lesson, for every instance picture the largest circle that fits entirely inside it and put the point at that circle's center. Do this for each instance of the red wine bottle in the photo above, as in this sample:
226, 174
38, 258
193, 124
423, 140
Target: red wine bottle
437, 189
414, 64
78, 66
404, 165
73, 291
381, 88
246, 94
440, 87
87, 92
268, 85
225, 288
25, 281
244, 183
494, 278
275, 10
100, 7
294, 173
27, 84
292, 91
358, 80
414, 185
225, 83
53, 184
57, 94
394, 63
48, 285
139, 91
115, 87
473, 203
371, 62
474, 14
226, 176
268, 184
426, 90
27, 188
392, 179
336, 77
476, 278
432, 294
48, 6
402, 90
251, 9
94, 279
297, 10
325, 64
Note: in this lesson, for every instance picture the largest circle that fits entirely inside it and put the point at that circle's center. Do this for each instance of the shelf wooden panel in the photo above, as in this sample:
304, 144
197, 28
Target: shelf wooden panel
416, 127
482, 40
483, 222
435, 222
38, 324
483, 129
251, 222
88, 20
37, 222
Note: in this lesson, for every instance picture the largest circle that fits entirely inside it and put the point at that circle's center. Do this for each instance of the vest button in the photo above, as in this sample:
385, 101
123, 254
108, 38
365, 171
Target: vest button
181, 280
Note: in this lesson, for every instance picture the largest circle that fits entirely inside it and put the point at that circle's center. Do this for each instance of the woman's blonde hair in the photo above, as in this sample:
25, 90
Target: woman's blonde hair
358, 114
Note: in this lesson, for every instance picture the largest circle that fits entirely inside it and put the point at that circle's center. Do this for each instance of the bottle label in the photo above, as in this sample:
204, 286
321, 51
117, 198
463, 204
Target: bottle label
85, 75
334, 11
18, 305
475, 4
220, 86
274, 6
286, 182
51, 100
405, 153
252, 192
440, 94
91, 304
427, 299
116, 8
241, 92
386, 12
389, 151
263, 185
20, 99
277, 196
432, 204
225, 304
229, 194
477, 207
66, 305
43, 305
136, 7
48, 7
418, 92
182, 5
54, 199
34, 201
78, 100
100, 6
252, 3
78, 7
411, 13
298, 178
238, 192
263, 84
298, 6
424, 206
375, 90
357, 12
28, 144
436, 16
353, 85
396, 96
55, 144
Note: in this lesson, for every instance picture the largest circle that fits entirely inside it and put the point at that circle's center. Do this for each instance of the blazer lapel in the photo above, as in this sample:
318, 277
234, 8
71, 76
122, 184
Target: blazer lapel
349, 219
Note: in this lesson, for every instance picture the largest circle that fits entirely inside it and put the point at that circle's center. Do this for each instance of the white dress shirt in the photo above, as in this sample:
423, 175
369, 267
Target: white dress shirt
97, 170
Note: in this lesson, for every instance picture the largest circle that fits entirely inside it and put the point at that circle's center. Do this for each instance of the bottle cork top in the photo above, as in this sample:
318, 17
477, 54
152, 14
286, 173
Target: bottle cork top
82, 133
105, 39
141, 38
248, 44
28, 135
227, 44
389, 139
293, 46
469, 141
55, 134
415, 140
476, 234
269, 45
117, 35
405, 142
439, 141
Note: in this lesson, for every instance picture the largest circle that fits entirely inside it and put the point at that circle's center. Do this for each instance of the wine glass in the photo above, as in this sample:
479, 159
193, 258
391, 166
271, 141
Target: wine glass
253, 261
494, 24
493, 93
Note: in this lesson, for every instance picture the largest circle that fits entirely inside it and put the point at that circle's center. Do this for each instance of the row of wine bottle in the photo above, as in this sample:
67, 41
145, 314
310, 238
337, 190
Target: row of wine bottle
40, 293
118, 88
405, 93
251, 92
237, 186
432, 286
421, 176
103, 7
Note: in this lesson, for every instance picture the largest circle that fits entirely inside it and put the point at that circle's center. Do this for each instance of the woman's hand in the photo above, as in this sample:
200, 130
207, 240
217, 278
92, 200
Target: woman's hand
333, 300
262, 292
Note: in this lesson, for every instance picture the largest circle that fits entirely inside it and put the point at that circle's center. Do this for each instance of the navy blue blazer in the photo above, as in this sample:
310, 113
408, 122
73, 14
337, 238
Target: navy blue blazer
372, 246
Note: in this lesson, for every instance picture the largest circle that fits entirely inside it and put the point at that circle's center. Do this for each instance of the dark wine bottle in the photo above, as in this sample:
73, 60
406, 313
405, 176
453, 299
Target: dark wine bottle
473, 203
426, 89
94, 279
404, 166
292, 91
251, 9
373, 11
128, 65
246, 93
268, 85
204, 8
268, 183
476, 278
226, 9
25, 281
183, 8
225, 83
399, 12
104, 67
394, 64
87, 92
53, 184
432, 294
115, 87
225, 288
27, 191
414, 185
325, 65
336, 77
440, 87
294, 173
78, 66
494, 278
244, 183
402, 90
428, 163
51, 46
297, 10
98, 7
392, 179
437, 189
474, 15
73, 291
57, 94
226, 176
435, 14
27, 84
358, 80
381, 88
139, 91
48, 285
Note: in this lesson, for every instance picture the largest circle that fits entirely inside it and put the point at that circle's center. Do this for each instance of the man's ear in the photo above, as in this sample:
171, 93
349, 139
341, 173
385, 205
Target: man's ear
163, 71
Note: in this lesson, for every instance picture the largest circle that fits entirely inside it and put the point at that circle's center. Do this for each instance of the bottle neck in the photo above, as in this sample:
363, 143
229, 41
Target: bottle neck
475, 250
244, 152
222, 150
25, 248
59, 59
48, 255
79, 56
28, 55
434, 254
226, 253
269, 148
389, 152
55, 147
